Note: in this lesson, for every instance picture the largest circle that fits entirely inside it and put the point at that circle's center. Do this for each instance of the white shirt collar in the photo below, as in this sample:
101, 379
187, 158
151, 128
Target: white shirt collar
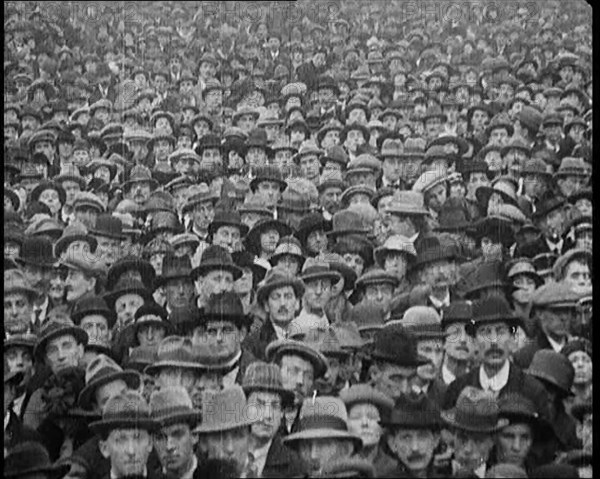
260, 457
6, 419
557, 347
439, 304
447, 375
279, 331
496, 382
17, 404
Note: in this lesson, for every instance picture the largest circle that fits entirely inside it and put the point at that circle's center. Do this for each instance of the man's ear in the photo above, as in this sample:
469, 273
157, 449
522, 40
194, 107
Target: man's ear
389, 439
374, 373
103, 446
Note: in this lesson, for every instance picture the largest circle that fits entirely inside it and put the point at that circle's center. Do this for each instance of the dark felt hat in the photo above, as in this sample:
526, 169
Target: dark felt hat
31, 459
394, 344
216, 258
127, 410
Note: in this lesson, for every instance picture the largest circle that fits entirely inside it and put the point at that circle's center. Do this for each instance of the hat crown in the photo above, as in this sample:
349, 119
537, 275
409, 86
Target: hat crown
262, 375
494, 306
175, 266
16, 279
215, 254
391, 147
108, 223
26, 456
415, 411
418, 318
126, 405
225, 409
553, 367
476, 406
37, 249
516, 403
393, 342
347, 220
173, 400
323, 412
91, 303
99, 367
175, 348
225, 304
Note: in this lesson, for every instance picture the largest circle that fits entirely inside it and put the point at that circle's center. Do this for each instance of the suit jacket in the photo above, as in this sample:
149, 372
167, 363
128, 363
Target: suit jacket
246, 359
257, 342
16, 432
523, 356
518, 381
283, 461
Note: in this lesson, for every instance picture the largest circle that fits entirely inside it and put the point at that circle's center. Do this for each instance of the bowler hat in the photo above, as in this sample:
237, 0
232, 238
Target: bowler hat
217, 410
407, 203
261, 376
423, 322
215, 257
394, 344
364, 393
126, 286
100, 371
475, 411
126, 410
135, 263
92, 304
432, 248
347, 222
109, 226
226, 306
173, 406
36, 250
29, 459
553, 368
414, 413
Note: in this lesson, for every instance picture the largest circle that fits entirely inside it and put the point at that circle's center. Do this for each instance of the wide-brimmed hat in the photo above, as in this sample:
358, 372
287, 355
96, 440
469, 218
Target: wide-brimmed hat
394, 344
174, 267
153, 314
126, 410
314, 269
225, 306
100, 371
55, 329
323, 417
173, 406
365, 393
432, 248
48, 185
217, 410
475, 411
174, 352
414, 413
261, 376
280, 347
127, 286
215, 257
407, 203
135, 263
424, 322
278, 277
36, 250
394, 244
524, 266
376, 276
30, 458
81, 261
288, 246
252, 240
227, 218
308, 224
92, 304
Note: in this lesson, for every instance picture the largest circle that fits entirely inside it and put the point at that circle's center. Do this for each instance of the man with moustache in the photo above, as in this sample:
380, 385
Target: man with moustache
459, 346
268, 456
494, 326
83, 274
139, 185
19, 299
279, 295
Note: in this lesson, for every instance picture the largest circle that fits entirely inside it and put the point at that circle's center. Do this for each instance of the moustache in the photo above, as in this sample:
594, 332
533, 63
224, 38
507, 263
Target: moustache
282, 311
415, 457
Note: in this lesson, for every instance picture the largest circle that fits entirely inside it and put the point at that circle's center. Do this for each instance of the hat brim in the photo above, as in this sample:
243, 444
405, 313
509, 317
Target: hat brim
131, 378
322, 433
63, 243
202, 269
205, 429
79, 334
215, 225
287, 397
449, 417
281, 347
191, 417
53, 471
252, 239
111, 297
333, 275
483, 194
154, 368
412, 362
264, 291
104, 426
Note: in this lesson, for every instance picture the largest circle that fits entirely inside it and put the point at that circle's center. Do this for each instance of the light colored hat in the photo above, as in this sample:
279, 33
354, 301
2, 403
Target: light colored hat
429, 180
395, 243
226, 410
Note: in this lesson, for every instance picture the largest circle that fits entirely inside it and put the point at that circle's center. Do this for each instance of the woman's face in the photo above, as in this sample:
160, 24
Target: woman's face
363, 420
582, 363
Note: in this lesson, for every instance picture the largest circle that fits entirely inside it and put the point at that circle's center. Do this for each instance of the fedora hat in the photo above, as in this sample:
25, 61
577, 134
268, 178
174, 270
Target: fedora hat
311, 222
140, 357
365, 393
15, 281
314, 269
36, 250
225, 306
553, 368
494, 308
570, 166
367, 316
174, 352
151, 313
174, 267
31, 458
288, 246
413, 413
135, 264
432, 248
139, 174
100, 371
217, 410
275, 278
261, 376
127, 286
376, 276
394, 344
394, 244
74, 232
252, 240
92, 304
407, 203
323, 417
55, 329
268, 173
126, 410
216, 258
337, 154
227, 218
518, 408
198, 194
173, 406
281, 347
347, 222
454, 216
109, 226
475, 411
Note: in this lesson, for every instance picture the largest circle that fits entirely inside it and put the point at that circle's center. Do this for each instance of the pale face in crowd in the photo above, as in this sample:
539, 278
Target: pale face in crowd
231, 445
363, 420
414, 447
319, 452
214, 282
393, 380
63, 352
228, 237
106, 391
582, 363
472, 449
269, 412
96, 327
433, 350
19, 359
282, 305
18, 308
514, 443
128, 451
174, 445
578, 277
297, 375
126, 307
223, 338
495, 343
458, 344
317, 294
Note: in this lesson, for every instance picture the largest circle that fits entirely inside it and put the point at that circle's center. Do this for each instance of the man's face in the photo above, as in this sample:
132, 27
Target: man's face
268, 405
228, 237
71, 189
211, 159
571, 184
179, 292
45, 147
139, 192
437, 196
479, 119
203, 214
380, 294
281, 305
319, 452
439, 274
215, 282
96, 327
514, 443
19, 359
77, 284
224, 339
51, 199
17, 312
393, 380
330, 199
297, 375
214, 99
578, 276
310, 166
458, 344
331, 138
150, 335
162, 148
174, 445
553, 132
38, 276
106, 391
354, 138
63, 352
555, 322
552, 224
495, 342
246, 122
318, 293
534, 185
128, 451
472, 449
433, 350
126, 307
433, 127
269, 190
392, 168
414, 447
229, 445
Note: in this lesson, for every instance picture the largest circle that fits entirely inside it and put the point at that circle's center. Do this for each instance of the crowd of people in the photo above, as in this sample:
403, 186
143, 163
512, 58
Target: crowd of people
297, 239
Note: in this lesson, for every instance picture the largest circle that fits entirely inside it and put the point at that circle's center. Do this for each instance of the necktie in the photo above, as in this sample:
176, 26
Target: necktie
251, 467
